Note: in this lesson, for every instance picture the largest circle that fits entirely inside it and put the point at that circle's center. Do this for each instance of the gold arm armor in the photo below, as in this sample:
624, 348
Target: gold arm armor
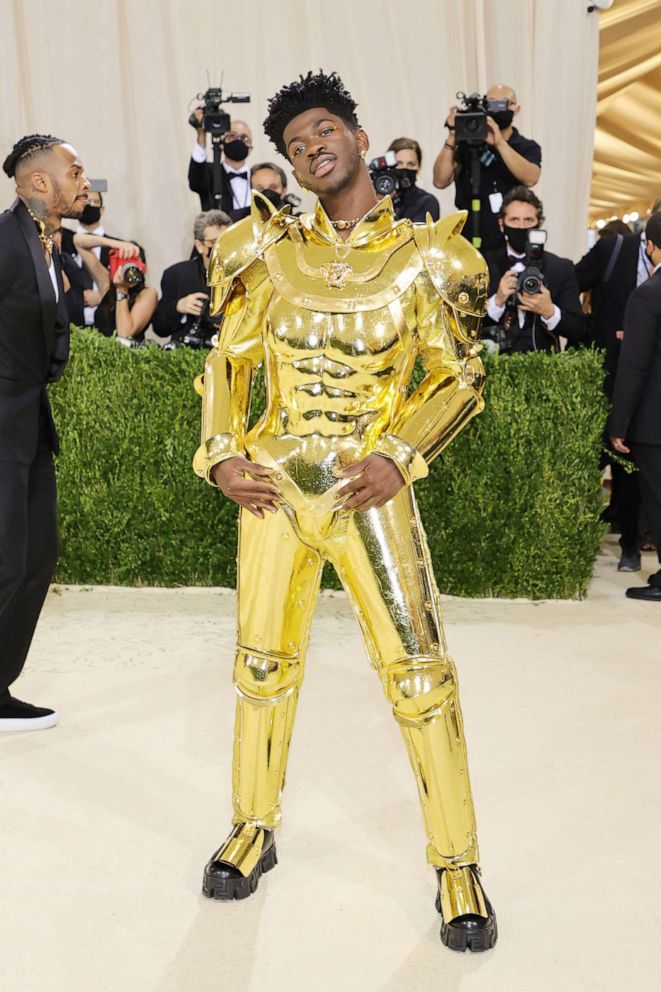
449, 320
240, 290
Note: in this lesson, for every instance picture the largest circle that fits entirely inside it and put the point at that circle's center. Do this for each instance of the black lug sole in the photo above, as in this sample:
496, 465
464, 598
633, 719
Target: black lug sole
457, 938
237, 886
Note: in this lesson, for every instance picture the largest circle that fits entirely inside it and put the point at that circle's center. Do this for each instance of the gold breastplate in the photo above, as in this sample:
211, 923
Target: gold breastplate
315, 275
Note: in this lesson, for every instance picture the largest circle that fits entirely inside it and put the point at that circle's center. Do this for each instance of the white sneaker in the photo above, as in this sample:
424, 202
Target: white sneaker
15, 715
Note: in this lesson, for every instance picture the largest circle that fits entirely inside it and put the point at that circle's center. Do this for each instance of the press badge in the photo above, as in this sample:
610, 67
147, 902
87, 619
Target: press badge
495, 202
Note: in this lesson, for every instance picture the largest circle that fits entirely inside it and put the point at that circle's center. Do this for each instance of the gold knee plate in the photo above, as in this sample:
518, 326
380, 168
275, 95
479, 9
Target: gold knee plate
461, 893
243, 848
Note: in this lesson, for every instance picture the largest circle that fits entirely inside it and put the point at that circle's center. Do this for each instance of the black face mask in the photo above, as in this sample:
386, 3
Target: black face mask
407, 177
517, 238
236, 150
503, 118
90, 215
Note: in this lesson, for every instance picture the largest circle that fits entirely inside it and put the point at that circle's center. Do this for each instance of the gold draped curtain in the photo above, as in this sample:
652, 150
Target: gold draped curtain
626, 172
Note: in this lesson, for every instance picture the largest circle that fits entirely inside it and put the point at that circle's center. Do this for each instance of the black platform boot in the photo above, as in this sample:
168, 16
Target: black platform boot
469, 922
235, 869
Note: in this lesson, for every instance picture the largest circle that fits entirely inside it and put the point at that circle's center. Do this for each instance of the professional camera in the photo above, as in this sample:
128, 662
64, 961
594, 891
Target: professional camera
216, 121
199, 332
387, 179
470, 123
132, 270
531, 279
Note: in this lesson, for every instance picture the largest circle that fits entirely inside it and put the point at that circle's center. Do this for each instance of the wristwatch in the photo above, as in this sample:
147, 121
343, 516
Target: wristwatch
122, 296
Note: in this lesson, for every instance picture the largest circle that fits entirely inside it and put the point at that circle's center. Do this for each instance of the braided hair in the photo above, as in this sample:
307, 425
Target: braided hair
26, 148
313, 90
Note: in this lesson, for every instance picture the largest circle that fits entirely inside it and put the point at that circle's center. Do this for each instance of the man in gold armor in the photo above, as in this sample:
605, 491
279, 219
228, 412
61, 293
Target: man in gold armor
338, 305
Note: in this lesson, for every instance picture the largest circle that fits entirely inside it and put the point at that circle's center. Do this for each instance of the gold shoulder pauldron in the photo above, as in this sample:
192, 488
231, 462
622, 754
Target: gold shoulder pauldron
239, 250
457, 270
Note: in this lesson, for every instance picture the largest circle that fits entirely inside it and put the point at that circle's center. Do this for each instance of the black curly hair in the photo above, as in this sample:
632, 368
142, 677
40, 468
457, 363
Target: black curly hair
314, 90
25, 148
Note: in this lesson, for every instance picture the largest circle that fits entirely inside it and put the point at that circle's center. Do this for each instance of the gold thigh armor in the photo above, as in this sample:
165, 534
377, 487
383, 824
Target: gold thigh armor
383, 562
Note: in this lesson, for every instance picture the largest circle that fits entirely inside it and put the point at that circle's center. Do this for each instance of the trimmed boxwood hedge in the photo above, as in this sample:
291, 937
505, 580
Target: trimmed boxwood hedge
511, 508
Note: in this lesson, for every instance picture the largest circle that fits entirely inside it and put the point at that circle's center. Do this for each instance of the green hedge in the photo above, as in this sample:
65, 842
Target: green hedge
511, 508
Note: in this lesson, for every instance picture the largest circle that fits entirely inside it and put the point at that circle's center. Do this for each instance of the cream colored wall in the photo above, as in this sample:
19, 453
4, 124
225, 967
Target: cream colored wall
115, 78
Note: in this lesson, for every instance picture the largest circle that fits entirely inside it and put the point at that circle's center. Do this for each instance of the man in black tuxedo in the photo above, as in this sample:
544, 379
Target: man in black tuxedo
635, 420
234, 197
611, 270
184, 293
34, 347
530, 321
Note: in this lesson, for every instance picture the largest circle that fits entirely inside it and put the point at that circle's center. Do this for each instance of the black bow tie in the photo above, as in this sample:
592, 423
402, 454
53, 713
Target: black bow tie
238, 175
515, 258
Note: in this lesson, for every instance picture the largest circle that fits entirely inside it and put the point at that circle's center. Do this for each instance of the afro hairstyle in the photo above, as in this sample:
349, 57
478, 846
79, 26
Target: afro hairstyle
314, 90
25, 148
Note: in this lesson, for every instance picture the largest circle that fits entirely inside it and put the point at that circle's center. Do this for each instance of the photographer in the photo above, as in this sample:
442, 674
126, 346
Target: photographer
413, 202
234, 175
507, 159
128, 306
530, 321
184, 292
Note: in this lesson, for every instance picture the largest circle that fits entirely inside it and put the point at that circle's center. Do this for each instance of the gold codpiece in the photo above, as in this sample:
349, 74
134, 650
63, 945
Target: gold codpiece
338, 326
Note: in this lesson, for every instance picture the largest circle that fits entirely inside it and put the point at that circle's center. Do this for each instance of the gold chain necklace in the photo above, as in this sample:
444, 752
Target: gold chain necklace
344, 225
46, 239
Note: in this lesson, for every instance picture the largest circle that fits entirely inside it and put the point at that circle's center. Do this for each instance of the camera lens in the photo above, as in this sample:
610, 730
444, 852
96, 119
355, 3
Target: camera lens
385, 185
132, 275
531, 284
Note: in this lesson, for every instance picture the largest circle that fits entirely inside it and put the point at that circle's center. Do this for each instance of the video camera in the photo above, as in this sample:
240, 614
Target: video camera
470, 123
216, 121
386, 178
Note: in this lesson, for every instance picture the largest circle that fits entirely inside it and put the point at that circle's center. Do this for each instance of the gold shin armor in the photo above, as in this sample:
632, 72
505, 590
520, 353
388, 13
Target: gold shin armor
339, 326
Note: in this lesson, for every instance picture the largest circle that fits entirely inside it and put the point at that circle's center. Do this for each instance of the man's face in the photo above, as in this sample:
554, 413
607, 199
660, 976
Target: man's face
268, 179
407, 159
67, 186
239, 129
211, 235
94, 199
519, 214
324, 151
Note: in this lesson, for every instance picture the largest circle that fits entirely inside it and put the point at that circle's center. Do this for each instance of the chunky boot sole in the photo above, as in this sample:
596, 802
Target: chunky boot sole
459, 939
238, 886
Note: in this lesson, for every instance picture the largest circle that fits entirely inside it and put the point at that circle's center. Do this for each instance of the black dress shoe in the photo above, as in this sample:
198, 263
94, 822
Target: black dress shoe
16, 715
652, 594
223, 881
469, 932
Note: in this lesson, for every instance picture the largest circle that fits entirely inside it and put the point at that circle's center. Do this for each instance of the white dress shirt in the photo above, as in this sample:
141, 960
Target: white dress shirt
53, 279
240, 187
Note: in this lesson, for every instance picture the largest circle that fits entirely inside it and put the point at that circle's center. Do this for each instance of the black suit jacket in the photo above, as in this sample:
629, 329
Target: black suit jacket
561, 281
415, 204
200, 181
177, 281
609, 299
636, 413
34, 336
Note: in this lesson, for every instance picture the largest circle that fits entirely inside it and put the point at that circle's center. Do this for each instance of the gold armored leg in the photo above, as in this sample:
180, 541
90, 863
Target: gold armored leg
277, 589
387, 571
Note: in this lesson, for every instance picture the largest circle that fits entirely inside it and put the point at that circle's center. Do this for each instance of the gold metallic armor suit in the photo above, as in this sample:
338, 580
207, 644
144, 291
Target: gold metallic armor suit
339, 326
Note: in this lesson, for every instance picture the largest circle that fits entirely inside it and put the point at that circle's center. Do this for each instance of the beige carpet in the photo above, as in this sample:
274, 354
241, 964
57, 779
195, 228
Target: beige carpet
108, 819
